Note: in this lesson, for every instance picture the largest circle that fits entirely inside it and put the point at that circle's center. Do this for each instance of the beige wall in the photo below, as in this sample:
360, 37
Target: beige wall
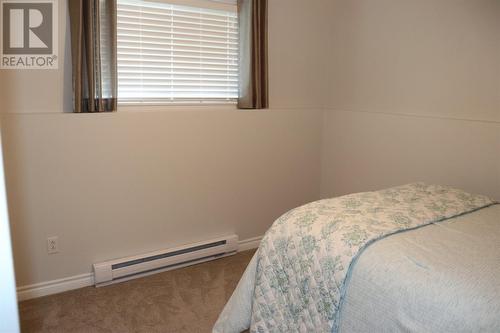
426, 57
414, 95
373, 93
368, 151
112, 185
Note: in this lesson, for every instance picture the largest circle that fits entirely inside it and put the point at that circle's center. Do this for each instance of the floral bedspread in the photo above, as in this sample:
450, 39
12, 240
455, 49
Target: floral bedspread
305, 257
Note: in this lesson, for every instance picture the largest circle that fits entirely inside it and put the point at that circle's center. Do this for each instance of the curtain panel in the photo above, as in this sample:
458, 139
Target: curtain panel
93, 49
253, 70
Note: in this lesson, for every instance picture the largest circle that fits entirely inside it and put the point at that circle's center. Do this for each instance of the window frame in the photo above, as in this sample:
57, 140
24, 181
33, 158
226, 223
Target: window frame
157, 104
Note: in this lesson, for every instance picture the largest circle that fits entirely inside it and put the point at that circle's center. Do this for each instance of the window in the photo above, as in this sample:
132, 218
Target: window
177, 51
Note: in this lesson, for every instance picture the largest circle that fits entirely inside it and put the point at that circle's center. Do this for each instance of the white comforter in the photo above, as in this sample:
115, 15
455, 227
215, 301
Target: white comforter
441, 278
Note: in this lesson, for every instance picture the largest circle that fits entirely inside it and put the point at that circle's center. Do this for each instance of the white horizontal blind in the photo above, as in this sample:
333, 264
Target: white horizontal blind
174, 53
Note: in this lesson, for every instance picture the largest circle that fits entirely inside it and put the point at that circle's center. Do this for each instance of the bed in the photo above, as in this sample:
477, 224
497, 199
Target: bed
414, 258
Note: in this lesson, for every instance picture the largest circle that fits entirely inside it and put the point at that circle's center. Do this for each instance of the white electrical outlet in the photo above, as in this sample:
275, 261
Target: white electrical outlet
52, 245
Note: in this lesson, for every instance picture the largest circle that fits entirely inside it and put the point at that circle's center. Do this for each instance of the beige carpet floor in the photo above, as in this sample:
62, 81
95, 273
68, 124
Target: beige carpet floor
184, 300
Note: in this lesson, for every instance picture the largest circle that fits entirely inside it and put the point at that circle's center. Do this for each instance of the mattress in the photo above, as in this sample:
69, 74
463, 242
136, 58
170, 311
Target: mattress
443, 277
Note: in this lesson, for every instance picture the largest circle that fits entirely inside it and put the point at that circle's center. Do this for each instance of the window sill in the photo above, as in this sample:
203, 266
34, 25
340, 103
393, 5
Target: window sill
187, 106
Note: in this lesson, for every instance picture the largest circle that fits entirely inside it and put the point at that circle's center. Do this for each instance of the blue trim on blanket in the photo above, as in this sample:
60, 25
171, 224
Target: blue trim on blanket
343, 289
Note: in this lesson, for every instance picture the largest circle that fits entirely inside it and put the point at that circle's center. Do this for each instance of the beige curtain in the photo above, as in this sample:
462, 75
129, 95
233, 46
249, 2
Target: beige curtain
253, 73
93, 47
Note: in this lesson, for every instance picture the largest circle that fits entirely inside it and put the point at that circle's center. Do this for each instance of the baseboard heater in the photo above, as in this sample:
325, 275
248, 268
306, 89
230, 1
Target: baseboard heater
124, 269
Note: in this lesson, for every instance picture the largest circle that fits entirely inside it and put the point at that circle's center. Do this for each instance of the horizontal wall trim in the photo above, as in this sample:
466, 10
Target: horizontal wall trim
416, 115
163, 109
55, 286
85, 280
249, 244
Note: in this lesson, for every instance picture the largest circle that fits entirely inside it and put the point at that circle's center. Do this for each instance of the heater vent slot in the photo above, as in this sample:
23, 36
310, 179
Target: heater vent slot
168, 254
186, 263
